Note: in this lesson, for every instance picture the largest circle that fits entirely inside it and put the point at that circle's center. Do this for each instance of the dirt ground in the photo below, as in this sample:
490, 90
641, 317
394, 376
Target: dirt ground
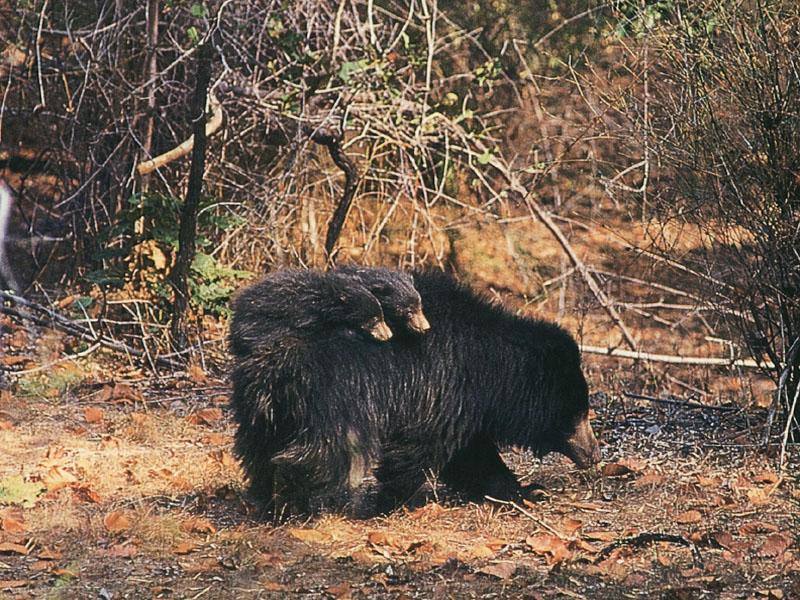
117, 484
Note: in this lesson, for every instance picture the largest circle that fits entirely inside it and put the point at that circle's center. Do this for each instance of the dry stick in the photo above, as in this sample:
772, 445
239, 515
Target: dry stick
686, 403
747, 363
151, 74
214, 123
647, 538
536, 210
63, 359
347, 166
548, 222
791, 359
528, 514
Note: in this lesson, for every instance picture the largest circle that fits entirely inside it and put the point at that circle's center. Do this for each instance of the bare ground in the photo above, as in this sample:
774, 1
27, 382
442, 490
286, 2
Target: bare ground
132, 492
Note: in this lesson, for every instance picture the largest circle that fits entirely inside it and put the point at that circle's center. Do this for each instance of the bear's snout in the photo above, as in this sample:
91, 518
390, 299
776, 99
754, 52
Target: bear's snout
582, 447
418, 322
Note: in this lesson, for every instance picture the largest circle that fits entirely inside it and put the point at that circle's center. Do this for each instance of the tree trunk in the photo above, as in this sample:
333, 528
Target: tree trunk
188, 226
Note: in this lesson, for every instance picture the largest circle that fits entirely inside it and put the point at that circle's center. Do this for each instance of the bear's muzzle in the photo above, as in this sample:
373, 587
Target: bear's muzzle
582, 447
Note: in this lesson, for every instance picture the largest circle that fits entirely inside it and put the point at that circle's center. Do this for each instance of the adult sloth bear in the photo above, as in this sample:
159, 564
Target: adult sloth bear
323, 408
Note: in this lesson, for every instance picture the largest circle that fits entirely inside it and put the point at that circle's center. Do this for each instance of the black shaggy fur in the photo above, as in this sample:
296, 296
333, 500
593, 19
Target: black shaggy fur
400, 300
324, 407
285, 303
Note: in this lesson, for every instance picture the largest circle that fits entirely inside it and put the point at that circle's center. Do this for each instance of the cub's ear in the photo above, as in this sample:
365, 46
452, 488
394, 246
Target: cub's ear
381, 288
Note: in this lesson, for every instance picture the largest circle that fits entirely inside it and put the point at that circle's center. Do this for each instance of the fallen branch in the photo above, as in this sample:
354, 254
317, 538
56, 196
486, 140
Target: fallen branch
214, 123
647, 538
676, 402
528, 514
747, 363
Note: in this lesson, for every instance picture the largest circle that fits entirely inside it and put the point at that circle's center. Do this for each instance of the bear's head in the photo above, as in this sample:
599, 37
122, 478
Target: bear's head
549, 410
351, 305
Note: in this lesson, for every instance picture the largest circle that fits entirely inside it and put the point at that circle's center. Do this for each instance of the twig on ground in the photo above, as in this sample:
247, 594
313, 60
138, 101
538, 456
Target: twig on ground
747, 363
677, 402
648, 537
528, 514
46, 366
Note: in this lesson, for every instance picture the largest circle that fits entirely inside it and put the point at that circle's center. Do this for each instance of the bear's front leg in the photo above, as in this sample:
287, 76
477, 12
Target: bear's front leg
478, 471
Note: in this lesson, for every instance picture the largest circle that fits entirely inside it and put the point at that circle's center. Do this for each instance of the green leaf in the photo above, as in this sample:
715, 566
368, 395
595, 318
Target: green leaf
15, 490
348, 69
193, 34
485, 158
198, 10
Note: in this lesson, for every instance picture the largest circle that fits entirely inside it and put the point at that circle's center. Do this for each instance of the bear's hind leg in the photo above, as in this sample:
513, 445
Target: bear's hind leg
478, 471
401, 472
313, 476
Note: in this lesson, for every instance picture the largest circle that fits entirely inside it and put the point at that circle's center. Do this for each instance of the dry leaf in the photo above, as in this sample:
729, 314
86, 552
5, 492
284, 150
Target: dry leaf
84, 493
479, 551
224, 458
116, 521
754, 527
709, 481
310, 535
571, 525
766, 477
119, 393
615, 470
197, 374
11, 548
775, 545
584, 546
57, 478
47, 554
552, 547
8, 584
205, 416
600, 536
501, 570
690, 516
649, 480
634, 464
341, 591
723, 539
184, 548
10, 361
198, 525
203, 565
122, 551
11, 524
93, 414
215, 439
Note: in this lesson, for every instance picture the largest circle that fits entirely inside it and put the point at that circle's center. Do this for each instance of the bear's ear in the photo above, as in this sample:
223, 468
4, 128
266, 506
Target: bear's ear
381, 287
